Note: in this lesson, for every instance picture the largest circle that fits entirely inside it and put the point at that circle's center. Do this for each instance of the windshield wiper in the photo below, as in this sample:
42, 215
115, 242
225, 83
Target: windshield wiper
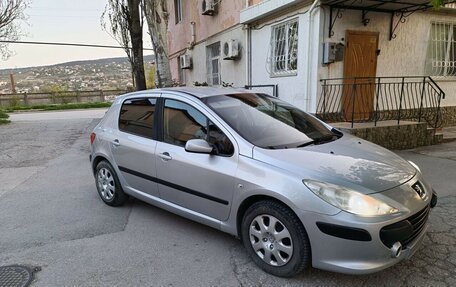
320, 140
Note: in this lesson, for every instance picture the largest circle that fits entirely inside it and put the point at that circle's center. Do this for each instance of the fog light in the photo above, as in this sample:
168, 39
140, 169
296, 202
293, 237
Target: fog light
396, 250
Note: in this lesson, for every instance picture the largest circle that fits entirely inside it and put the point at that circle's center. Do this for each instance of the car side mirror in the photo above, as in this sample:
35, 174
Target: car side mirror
198, 146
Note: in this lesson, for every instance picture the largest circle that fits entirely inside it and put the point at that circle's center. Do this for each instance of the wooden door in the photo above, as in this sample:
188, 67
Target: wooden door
360, 61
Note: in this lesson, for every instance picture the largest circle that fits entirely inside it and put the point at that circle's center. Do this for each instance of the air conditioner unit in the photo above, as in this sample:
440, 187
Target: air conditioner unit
230, 50
208, 7
185, 62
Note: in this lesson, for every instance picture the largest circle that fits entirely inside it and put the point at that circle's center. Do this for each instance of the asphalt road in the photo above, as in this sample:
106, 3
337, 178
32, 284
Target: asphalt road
51, 217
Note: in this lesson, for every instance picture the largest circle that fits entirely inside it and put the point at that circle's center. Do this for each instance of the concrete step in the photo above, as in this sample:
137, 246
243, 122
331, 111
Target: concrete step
449, 134
438, 138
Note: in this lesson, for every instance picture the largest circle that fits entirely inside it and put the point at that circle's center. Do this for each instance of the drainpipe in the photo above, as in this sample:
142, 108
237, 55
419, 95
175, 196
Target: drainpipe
309, 53
192, 27
249, 55
248, 41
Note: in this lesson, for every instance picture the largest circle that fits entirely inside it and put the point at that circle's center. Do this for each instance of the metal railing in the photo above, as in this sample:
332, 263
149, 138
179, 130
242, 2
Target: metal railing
272, 90
373, 99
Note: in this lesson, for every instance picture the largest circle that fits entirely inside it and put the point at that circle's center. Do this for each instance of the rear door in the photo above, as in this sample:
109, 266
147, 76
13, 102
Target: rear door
201, 182
133, 147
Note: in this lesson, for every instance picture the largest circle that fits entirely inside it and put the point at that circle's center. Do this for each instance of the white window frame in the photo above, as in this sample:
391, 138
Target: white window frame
285, 63
212, 57
178, 10
441, 56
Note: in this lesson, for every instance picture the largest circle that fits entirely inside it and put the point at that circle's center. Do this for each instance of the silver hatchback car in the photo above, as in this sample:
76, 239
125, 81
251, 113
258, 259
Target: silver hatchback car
295, 190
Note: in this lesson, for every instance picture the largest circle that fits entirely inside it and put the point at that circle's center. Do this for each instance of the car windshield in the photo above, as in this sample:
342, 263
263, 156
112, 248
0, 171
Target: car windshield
268, 122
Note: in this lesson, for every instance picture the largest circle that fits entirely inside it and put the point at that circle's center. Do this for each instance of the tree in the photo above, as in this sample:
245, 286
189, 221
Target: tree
156, 12
123, 20
135, 22
11, 11
114, 21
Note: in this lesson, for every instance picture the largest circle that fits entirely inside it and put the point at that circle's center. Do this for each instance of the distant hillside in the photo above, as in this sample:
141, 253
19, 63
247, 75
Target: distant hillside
109, 73
117, 60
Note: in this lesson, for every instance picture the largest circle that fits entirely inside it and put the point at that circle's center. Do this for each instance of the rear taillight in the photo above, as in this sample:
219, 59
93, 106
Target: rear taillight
92, 137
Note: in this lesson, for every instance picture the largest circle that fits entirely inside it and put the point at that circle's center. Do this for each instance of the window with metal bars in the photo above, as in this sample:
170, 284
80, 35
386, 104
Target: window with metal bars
441, 59
213, 64
284, 40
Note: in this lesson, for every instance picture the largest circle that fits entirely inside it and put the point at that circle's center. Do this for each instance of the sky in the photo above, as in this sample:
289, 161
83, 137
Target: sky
72, 21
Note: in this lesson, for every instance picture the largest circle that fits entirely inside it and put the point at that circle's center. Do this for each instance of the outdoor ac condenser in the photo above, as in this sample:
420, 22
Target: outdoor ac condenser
185, 62
208, 7
230, 50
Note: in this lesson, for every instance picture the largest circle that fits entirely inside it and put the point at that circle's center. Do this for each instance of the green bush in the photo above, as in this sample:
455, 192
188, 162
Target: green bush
14, 101
69, 106
3, 115
4, 118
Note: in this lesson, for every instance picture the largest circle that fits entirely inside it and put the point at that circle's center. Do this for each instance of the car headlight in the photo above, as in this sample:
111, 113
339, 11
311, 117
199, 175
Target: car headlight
348, 199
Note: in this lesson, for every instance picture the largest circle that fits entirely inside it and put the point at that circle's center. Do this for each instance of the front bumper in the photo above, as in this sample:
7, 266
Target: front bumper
350, 256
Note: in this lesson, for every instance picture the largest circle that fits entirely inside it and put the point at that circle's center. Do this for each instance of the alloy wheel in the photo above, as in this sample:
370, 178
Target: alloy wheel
106, 184
271, 240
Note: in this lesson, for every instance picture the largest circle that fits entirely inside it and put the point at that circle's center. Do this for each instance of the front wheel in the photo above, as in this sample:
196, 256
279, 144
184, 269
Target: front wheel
275, 239
108, 185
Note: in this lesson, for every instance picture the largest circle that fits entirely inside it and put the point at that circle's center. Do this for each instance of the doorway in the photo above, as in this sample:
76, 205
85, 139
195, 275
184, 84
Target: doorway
360, 69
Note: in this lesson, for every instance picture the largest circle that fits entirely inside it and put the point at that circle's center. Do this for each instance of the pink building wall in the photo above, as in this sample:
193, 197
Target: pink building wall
253, 2
179, 35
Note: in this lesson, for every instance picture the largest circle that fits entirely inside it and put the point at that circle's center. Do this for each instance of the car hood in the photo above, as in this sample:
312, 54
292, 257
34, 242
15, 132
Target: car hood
348, 161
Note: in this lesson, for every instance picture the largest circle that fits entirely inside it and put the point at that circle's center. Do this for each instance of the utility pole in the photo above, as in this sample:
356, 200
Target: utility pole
13, 84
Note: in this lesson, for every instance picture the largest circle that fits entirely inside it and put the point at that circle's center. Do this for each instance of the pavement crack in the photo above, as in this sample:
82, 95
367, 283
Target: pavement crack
234, 265
128, 215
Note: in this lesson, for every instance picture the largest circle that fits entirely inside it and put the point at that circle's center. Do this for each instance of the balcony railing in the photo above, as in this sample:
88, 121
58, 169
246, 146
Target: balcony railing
380, 99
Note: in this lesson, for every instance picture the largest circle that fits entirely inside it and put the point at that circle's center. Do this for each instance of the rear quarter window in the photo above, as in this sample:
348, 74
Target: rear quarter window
137, 117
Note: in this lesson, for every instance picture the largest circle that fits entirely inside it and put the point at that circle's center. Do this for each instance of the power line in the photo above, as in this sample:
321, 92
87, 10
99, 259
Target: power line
68, 44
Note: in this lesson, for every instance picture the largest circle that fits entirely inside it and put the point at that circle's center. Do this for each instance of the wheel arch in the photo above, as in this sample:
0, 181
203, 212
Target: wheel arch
97, 159
249, 201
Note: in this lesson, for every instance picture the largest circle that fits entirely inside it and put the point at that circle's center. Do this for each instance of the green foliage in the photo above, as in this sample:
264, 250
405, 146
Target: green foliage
54, 88
4, 118
70, 106
437, 3
59, 93
150, 80
14, 101
3, 115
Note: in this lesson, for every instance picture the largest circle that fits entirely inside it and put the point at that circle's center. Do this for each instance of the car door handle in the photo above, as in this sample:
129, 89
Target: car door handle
116, 142
165, 156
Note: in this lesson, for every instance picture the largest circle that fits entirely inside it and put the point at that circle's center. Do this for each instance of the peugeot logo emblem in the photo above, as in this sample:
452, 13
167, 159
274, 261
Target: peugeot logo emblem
417, 187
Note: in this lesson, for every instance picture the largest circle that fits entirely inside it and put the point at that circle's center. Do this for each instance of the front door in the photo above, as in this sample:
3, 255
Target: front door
360, 62
200, 182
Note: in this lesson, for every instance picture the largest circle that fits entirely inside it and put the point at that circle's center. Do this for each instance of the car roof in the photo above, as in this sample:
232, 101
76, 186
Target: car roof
199, 92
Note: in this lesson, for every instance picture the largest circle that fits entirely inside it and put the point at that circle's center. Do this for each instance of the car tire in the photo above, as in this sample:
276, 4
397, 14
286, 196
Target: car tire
271, 250
108, 185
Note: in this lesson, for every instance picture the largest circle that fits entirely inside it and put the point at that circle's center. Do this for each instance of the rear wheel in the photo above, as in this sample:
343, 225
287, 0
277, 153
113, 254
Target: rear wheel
275, 238
108, 185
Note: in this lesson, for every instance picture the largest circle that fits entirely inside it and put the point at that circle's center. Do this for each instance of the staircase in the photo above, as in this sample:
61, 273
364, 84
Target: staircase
395, 112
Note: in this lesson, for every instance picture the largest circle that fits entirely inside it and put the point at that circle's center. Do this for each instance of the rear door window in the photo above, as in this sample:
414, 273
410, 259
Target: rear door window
137, 117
